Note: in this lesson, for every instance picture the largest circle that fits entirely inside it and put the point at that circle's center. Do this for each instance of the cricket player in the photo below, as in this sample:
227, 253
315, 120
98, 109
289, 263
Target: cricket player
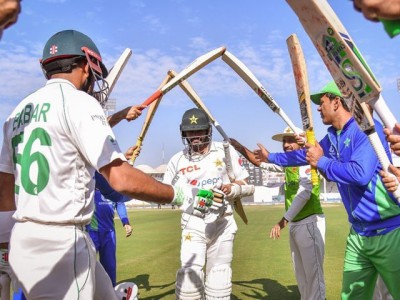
304, 215
54, 141
207, 237
346, 157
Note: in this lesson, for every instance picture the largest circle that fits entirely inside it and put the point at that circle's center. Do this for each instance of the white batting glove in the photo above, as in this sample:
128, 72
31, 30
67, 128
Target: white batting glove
218, 199
235, 192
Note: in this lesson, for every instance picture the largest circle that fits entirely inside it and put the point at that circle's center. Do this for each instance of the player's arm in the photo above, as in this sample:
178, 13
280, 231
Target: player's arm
123, 216
134, 183
7, 207
248, 154
302, 196
129, 113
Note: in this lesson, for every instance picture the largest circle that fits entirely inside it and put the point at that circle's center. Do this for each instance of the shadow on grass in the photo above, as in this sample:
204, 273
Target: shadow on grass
143, 282
260, 289
264, 288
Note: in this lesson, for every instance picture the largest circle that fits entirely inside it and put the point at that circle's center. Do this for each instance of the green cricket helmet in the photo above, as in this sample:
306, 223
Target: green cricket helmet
64, 47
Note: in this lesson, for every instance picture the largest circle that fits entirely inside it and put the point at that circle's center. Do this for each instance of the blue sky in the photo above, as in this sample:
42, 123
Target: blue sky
169, 34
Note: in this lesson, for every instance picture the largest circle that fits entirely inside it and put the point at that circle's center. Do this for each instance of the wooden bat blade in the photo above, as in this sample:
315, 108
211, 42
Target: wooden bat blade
147, 121
303, 93
244, 72
192, 68
116, 70
322, 25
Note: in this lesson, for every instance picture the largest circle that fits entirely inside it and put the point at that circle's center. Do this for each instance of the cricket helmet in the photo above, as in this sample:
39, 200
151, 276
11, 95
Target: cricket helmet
65, 49
195, 119
69, 44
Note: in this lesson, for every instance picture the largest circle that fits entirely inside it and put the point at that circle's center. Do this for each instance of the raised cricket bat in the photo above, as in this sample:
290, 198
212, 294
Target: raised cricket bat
303, 93
347, 67
196, 65
149, 117
116, 70
244, 72
187, 88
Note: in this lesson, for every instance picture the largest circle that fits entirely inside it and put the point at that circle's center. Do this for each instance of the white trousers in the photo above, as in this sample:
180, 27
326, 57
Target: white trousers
207, 244
57, 262
307, 245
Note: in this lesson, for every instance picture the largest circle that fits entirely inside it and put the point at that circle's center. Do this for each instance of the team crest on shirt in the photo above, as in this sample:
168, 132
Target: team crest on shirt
218, 163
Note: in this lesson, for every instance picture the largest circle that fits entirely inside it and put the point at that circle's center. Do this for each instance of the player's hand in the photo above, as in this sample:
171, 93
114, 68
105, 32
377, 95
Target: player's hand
314, 153
261, 154
133, 112
132, 151
393, 138
275, 232
9, 11
378, 9
389, 181
128, 230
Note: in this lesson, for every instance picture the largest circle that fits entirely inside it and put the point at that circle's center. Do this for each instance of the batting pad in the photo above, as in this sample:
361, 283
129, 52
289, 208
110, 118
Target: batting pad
219, 283
189, 284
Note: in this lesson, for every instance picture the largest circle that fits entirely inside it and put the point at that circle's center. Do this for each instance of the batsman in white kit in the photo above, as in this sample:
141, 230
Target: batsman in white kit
54, 141
207, 234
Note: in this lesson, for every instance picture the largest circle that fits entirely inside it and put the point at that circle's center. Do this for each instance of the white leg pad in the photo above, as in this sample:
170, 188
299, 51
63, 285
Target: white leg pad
4, 286
127, 291
189, 284
219, 283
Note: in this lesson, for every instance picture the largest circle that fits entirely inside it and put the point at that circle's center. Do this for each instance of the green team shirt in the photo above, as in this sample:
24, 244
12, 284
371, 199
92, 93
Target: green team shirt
292, 181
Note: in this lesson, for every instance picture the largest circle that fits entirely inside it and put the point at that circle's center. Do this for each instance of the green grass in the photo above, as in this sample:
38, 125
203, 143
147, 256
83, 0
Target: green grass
262, 267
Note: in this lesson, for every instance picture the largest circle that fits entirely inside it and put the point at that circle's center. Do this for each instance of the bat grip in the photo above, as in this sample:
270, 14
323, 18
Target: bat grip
138, 145
311, 140
384, 113
383, 159
152, 98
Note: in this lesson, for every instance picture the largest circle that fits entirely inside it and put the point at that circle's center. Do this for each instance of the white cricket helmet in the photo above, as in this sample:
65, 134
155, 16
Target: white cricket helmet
127, 291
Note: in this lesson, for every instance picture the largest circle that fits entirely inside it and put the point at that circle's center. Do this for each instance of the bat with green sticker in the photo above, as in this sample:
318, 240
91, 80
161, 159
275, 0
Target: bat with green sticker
348, 68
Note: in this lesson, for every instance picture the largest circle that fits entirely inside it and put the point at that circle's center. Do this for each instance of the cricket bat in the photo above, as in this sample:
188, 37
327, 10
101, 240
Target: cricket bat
116, 70
303, 93
187, 88
348, 68
149, 117
332, 40
244, 72
192, 68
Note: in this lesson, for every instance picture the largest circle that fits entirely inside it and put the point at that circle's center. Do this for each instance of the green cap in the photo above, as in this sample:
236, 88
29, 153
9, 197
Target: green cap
331, 88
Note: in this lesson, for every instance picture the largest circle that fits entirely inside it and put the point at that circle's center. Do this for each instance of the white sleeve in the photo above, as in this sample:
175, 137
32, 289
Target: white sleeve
6, 163
92, 134
301, 198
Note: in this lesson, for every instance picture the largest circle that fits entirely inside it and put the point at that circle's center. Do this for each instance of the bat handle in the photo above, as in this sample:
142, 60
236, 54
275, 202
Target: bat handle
383, 159
157, 94
384, 113
311, 140
138, 145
